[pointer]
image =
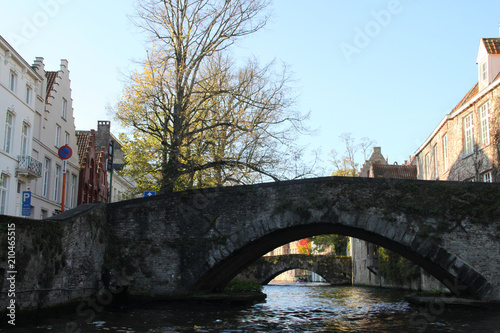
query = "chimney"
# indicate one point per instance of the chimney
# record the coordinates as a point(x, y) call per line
point(103, 133)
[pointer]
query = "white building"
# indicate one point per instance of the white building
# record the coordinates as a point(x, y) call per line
point(37, 115)
point(19, 87)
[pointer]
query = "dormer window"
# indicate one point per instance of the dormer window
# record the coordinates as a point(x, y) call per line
point(484, 72)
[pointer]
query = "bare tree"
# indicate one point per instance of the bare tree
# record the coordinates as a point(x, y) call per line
point(211, 120)
point(346, 164)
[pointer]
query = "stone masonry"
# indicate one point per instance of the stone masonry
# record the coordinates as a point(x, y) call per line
point(173, 245)
point(335, 270)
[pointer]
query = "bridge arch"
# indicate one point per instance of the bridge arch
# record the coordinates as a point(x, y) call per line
point(335, 270)
point(433, 258)
point(205, 238)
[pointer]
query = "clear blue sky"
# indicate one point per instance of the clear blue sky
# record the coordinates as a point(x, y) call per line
point(388, 70)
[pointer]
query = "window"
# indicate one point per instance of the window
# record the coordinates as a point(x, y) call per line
point(484, 71)
point(66, 138)
point(13, 81)
point(484, 123)
point(427, 166)
point(487, 177)
point(72, 199)
point(436, 162)
point(445, 151)
point(4, 180)
point(25, 139)
point(58, 136)
point(9, 129)
point(29, 93)
point(57, 183)
point(46, 173)
point(64, 108)
point(468, 135)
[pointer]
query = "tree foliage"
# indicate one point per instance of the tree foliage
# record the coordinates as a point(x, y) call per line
point(337, 243)
point(208, 122)
point(304, 246)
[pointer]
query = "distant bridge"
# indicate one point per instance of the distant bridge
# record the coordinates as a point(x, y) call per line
point(335, 270)
point(172, 245)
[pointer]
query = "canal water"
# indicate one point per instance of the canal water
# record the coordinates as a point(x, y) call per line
point(289, 308)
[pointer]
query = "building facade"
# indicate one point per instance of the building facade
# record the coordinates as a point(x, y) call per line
point(465, 144)
point(100, 180)
point(365, 260)
point(36, 117)
point(93, 182)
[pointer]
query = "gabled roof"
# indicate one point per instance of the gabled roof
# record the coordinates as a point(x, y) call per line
point(470, 94)
point(51, 79)
point(394, 171)
point(492, 45)
point(83, 141)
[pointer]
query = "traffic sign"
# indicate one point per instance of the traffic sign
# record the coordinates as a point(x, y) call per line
point(65, 152)
point(26, 203)
point(148, 194)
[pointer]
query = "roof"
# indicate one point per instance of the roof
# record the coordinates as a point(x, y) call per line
point(470, 95)
point(51, 79)
point(83, 141)
point(394, 171)
point(492, 45)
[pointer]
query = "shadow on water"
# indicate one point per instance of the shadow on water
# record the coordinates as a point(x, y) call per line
point(289, 308)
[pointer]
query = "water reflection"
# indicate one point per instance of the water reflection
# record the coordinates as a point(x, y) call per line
point(288, 308)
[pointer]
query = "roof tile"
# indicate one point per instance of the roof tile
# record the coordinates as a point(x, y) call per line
point(492, 45)
point(394, 171)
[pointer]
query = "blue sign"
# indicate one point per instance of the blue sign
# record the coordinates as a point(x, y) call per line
point(148, 194)
point(26, 203)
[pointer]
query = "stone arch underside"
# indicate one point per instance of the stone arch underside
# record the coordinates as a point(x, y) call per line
point(460, 278)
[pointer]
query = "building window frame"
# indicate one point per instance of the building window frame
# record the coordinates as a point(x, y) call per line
point(57, 183)
point(4, 190)
point(484, 72)
point(468, 125)
point(58, 136)
point(74, 186)
point(46, 177)
point(9, 132)
point(436, 161)
point(66, 138)
point(13, 81)
point(427, 166)
point(64, 113)
point(29, 95)
point(487, 177)
point(25, 133)
point(484, 124)
point(445, 151)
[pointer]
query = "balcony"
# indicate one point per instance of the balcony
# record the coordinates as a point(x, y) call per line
point(29, 167)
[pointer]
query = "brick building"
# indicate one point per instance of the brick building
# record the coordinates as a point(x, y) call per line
point(465, 144)
point(93, 181)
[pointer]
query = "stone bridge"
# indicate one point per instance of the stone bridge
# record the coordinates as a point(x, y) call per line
point(335, 270)
point(176, 244)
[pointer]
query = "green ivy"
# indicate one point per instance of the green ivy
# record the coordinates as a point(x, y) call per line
point(242, 286)
point(395, 268)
